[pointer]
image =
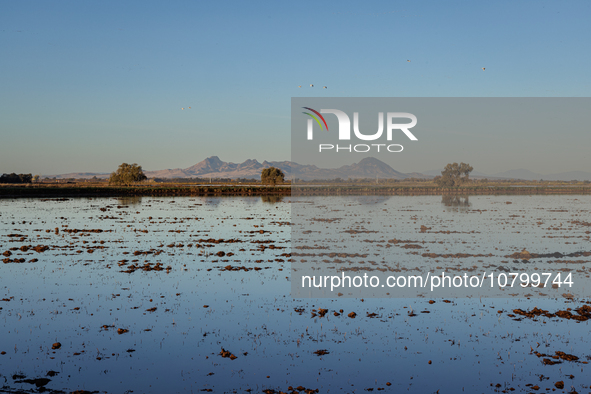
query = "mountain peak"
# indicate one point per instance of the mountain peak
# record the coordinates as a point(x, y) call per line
point(213, 159)
point(370, 167)
point(211, 164)
point(371, 160)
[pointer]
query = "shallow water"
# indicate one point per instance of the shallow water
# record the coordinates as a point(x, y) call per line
point(543, 237)
point(76, 294)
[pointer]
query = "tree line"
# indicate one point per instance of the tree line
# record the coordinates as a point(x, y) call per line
point(16, 178)
point(453, 175)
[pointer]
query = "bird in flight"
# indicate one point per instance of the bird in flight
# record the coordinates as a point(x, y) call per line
point(311, 85)
point(324, 87)
point(482, 68)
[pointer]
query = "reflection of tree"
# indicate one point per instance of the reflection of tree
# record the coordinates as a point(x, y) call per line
point(132, 200)
point(455, 201)
point(371, 199)
point(271, 199)
point(213, 201)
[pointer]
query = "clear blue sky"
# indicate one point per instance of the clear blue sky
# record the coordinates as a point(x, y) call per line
point(85, 86)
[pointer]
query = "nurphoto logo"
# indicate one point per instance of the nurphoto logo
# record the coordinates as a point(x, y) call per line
point(344, 132)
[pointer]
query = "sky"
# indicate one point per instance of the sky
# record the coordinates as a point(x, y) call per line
point(85, 86)
point(547, 133)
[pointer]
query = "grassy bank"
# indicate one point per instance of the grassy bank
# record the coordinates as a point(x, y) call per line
point(85, 190)
point(436, 190)
point(77, 190)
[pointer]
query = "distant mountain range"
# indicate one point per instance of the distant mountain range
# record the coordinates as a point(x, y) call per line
point(370, 167)
point(213, 167)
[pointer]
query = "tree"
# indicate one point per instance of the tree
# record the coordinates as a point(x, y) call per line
point(127, 174)
point(454, 175)
point(272, 176)
point(36, 178)
point(16, 178)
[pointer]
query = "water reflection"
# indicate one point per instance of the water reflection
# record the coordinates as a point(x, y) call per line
point(154, 330)
point(272, 199)
point(455, 202)
point(131, 200)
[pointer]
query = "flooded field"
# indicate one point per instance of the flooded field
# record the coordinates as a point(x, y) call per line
point(493, 246)
point(189, 294)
